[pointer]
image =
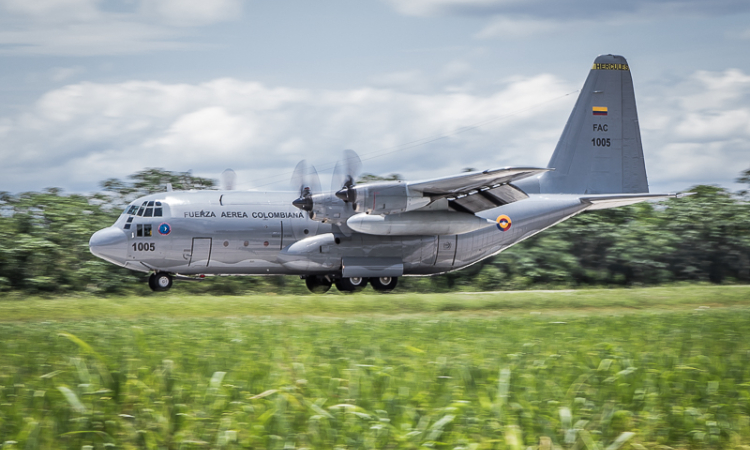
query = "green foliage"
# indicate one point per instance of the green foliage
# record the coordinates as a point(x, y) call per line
point(440, 381)
point(370, 178)
point(703, 238)
point(44, 245)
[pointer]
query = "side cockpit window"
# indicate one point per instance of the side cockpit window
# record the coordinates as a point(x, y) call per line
point(143, 230)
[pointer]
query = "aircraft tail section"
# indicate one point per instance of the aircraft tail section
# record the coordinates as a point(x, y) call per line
point(600, 149)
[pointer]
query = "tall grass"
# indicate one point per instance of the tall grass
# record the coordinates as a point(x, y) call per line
point(601, 381)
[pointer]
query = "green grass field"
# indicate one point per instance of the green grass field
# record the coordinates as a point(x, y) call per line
point(593, 369)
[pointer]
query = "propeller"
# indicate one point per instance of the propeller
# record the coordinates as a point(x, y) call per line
point(344, 173)
point(228, 178)
point(305, 179)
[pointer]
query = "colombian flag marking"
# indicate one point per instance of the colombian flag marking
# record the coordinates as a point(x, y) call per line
point(599, 110)
point(503, 223)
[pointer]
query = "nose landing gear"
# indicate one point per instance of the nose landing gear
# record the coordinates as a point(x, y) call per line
point(160, 281)
point(318, 285)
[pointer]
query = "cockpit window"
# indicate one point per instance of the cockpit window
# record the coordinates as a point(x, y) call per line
point(146, 209)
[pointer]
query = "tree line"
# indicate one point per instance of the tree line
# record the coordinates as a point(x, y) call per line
point(701, 238)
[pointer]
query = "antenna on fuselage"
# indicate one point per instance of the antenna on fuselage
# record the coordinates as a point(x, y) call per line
point(228, 178)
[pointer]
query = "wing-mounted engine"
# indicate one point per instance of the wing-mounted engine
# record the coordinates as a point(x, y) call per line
point(337, 205)
point(441, 206)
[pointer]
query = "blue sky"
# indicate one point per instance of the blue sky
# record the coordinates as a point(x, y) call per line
point(95, 89)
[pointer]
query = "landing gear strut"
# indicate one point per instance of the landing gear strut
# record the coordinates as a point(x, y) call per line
point(160, 281)
point(384, 284)
point(350, 285)
point(318, 285)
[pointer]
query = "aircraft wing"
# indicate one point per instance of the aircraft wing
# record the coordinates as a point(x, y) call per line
point(605, 201)
point(472, 192)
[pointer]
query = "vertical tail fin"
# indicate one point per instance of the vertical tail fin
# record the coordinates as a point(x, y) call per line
point(600, 149)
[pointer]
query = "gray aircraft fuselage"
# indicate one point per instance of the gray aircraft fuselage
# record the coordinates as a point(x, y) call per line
point(254, 233)
point(374, 233)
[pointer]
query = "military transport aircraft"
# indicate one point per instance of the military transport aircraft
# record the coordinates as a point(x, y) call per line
point(376, 232)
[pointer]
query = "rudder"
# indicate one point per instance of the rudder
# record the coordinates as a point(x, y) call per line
point(600, 151)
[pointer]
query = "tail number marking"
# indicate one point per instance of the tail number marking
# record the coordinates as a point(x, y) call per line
point(601, 142)
point(144, 247)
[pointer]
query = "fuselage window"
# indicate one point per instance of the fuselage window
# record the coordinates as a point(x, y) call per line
point(149, 212)
point(143, 230)
point(140, 211)
point(132, 209)
point(150, 203)
point(157, 212)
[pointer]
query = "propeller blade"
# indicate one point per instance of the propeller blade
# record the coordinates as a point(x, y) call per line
point(298, 177)
point(228, 178)
point(305, 178)
point(344, 174)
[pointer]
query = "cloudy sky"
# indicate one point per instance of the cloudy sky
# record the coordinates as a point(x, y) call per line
point(94, 89)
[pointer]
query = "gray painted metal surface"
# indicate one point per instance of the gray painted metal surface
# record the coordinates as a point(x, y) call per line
point(395, 228)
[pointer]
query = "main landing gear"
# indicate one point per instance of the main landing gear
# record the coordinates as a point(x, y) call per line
point(160, 281)
point(321, 284)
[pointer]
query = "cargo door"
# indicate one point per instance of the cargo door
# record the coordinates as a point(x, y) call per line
point(200, 253)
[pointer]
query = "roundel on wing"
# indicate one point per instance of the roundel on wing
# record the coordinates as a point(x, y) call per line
point(503, 223)
point(164, 229)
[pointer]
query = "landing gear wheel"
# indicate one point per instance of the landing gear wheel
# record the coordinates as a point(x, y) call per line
point(384, 284)
point(351, 285)
point(160, 281)
point(318, 285)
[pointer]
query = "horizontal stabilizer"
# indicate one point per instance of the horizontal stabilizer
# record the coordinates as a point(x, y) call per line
point(606, 201)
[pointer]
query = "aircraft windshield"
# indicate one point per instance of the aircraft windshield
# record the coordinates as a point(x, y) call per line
point(146, 209)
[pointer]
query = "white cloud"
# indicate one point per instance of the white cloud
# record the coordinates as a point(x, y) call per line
point(563, 10)
point(59, 74)
point(698, 130)
point(83, 27)
point(80, 134)
point(192, 12)
point(518, 27)
point(695, 130)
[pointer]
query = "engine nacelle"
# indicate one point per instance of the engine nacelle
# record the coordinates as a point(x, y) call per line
point(388, 198)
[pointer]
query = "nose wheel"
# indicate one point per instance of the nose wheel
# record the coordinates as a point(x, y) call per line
point(318, 285)
point(160, 281)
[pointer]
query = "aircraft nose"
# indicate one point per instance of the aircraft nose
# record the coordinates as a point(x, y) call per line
point(109, 244)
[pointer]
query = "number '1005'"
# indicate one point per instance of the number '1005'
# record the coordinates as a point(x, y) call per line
point(144, 247)
point(601, 142)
